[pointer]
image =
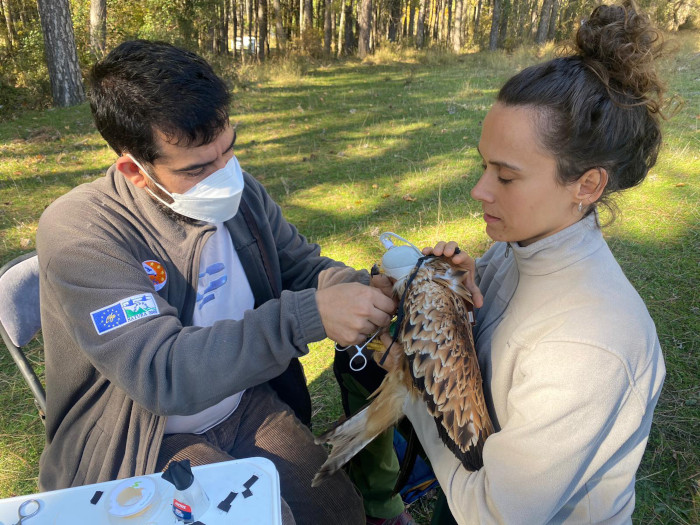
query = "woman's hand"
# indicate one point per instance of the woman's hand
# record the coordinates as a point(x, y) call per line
point(393, 360)
point(384, 284)
point(462, 260)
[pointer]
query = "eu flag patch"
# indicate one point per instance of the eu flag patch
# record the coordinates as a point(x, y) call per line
point(123, 312)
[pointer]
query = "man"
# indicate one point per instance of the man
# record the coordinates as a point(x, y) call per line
point(176, 299)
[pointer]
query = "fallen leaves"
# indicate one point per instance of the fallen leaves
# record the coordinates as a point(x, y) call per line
point(408, 197)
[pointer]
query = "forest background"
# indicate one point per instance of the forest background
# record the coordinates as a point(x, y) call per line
point(359, 116)
point(45, 45)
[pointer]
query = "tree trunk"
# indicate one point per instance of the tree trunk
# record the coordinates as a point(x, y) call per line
point(495, 23)
point(220, 28)
point(226, 7)
point(568, 19)
point(543, 26)
point(256, 33)
point(280, 37)
point(308, 14)
point(376, 18)
point(11, 31)
point(301, 17)
point(521, 9)
point(394, 20)
point(447, 29)
point(334, 30)
point(411, 19)
point(465, 22)
point(249, 13)
point(503, 26)
point(243, 17)
point(365, 20)
point(436, 19)
point(234, 22)
point(404, 26)
point(341, 30)
point(420, 26)
point(61, 53)
point(348, 33)
point(553, 21)
point(262, 24)
point(457, 31)
point(477, 21)
point(98, 27)
point(328, 28)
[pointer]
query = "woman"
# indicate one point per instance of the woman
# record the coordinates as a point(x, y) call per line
point(570, 358)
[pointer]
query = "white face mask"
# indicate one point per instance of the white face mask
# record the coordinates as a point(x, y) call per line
point(214, 199)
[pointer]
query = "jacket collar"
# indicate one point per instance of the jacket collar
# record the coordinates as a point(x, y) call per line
point(181, 236)
point(560, 250)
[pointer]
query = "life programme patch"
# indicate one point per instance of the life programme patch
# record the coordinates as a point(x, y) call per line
point(124, 312)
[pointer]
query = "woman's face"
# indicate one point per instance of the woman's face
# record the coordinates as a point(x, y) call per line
point(518, 191)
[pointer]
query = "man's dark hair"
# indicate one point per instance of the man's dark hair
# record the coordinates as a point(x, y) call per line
point(143, 86)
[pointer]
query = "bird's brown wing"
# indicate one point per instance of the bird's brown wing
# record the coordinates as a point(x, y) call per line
point(437, 338)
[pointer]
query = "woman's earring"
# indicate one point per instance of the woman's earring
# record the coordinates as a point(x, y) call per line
point(580, 207)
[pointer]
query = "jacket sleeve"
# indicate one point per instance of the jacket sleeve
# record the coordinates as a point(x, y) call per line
point(562, 406)
point(166, 367)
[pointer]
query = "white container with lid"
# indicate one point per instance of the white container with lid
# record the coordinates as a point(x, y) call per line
point(134, 500)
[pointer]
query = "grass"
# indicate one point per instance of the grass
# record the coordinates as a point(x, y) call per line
point(352, 149)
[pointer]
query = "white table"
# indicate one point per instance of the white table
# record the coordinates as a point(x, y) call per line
point(219, 480)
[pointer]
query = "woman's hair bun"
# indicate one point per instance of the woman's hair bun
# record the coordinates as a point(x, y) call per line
point(620, 44)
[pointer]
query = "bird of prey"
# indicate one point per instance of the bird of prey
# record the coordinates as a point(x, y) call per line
point(439, 365)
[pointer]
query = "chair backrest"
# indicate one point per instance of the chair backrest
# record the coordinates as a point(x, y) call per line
point(20, 316)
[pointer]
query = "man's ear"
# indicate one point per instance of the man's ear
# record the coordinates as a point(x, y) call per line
point(131, 171)
point(590, 185)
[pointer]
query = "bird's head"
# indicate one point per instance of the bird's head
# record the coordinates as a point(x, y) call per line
point(402, 263)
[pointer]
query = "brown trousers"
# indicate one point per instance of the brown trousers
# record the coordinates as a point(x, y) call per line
point(263, 425)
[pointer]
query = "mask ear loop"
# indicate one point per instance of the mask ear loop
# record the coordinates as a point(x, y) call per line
point(161, 188)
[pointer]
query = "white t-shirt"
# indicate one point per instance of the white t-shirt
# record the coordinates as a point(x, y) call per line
point(223, 292)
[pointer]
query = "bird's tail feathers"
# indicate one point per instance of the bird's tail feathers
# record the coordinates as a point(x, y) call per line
point(356, 432)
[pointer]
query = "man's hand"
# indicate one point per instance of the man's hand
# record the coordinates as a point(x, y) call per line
point(351, 312)
point(462, 260)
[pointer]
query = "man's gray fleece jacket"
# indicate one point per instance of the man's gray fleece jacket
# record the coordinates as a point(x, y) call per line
point(108, 394)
